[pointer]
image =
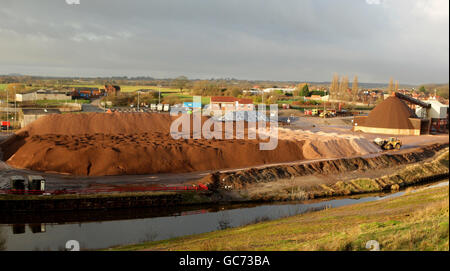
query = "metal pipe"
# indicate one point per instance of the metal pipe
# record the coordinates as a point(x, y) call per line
point(412, 100)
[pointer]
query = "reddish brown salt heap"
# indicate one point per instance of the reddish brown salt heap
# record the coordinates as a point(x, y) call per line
point(98, 144)
point(392, 113)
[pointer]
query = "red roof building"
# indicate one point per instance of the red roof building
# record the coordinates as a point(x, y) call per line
point(231, 103)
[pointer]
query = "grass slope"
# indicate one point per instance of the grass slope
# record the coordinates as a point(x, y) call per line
point(414, 221)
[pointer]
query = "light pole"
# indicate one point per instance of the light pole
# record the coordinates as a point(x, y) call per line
point(15, 107)
point(159, 94)
point(7, 111)
point(138, 105)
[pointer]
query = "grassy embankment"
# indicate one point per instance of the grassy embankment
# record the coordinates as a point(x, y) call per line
point(414, 221)
point(410, 175)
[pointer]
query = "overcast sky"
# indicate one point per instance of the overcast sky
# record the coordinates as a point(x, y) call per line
point(302, 40)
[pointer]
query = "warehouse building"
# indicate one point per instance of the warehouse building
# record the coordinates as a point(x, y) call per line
point(27, 116)
point(394, 117)
point(42, 95)
point(231, 103)
point(437, 110)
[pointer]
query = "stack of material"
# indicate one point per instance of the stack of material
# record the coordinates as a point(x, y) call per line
point(392, 116)
point(97, 144)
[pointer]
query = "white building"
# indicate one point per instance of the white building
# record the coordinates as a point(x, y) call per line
point(268, 90)
point(42, 95)
point(30, 115)
point(437, 110)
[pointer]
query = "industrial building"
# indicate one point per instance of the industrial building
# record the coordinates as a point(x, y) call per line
point(27, 116)
point(437, 110)
point(111, 90)
point(86, 93)
point(393, 116)
point(42, 95)
point(437, 114)
point(231, 103)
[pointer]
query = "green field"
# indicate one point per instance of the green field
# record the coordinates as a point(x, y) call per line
point(164, 91)
point(57, 102)
point(125, 88)
point(3, 86)
point(415, 221)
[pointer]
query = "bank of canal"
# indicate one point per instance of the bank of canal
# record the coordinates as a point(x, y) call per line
point(103, 229)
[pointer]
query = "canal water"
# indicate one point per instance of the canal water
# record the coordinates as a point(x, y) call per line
point(135, 226)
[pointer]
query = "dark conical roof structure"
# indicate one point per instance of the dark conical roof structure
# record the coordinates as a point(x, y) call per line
point(392, 113)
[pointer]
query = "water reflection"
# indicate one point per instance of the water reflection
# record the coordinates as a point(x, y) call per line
point(102, 229)
point(224, 222)
point(144, 225)
point(18, 228)
point(34, 228)
point(2, 240)
point(37, 228)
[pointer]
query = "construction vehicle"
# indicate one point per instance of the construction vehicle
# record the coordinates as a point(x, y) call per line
point(326, 114)
point(389, 144)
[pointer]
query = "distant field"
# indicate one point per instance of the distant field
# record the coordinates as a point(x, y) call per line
point(164, 91)
point(125, 88)
point(3, 86)
point(56, 102)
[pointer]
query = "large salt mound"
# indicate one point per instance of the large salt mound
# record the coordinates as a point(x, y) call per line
point(97, 144)
point(93, 123)
point(329, 145)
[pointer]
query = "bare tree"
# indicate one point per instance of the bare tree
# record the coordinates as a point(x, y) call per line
point(355, 89)
point(334, 88)
point(391, 85)
point(396, 86)
point(181, 82)
point(343, 88)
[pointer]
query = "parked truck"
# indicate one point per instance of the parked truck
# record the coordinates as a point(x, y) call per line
point(6, 125)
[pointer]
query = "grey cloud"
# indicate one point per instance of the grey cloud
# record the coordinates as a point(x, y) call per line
point(278, 40)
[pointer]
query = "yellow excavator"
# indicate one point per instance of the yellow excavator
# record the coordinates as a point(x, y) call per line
point(389, 144)
point(326, 114)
